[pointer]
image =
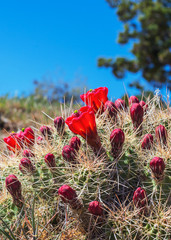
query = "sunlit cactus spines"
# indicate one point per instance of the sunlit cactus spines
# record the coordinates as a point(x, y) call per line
point(136, 112)
point(120, 104)
point(28, 153)
point(95, 208)
point(39, 140)
point(50, 160)
point(117, 138)
point(83, 122)
point(13, 186)
point(140, 198)
point(133, 99)
point(96, 98)
point(110, 110)
point(157, 166)
point(46, 131)
point(26, 166)
point(69, 154)
point(161, 135)
point(147, 141)
point(59, 124)
point(75, 143)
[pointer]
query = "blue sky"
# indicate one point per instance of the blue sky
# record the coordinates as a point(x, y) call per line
point(58, 40)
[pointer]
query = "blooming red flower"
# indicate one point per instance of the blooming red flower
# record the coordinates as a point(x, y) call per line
point(133, 99)
point(140, 198)
point(120, 104)
point(26, 166)
point(110, 109)
point(161, 134)
point(136, 112)
point(157, 166)
point(50, 160)
point(144, 106)
point(117, 139)
point(95, 98)
point(28, 136)
point(75, 143)
point(82, 122)
point(95, 208)
point(147, 141)
point(12, 143)
point(59, 124)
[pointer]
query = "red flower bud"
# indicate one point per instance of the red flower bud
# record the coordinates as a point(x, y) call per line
point(26, 166)
point(120, 104)
point(161, 134)
point(133, 99)
point(117, 139)
point(157, 166)
point(75, 143)
point(95, 98)
point(68, 153)
point(144, 106)
point(28, 153)
point(147, 141)
point(50, 160)
point(13, 186)
point(140, 198)
point(136, 112)
point(39, 140)
point(59, 124)
point(46, 131)
point(95, 208)
point(28, 136)
point(110, 109)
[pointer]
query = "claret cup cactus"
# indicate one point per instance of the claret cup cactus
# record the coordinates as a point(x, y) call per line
point(102, 171)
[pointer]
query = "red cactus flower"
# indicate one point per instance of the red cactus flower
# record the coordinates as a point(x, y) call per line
point(28, 153)
point(26, 166)
point(157, 166)
point(28, 136)
point(13, 186)
point(68, 195)
point(39, 140)
point(95, 98)
point(120, 104)
point(117, 139)
point(12, 143)
point(144, 106)
point(133, 99)
point(136, 112)
point(110, 109)
point(95, 208)
point(140, 198)
point(50, 160)
point(46, 131)
point(59, 124)
point(147, 141)
point(68, 153)
point(161, 134)
point(75, 143)
point(82, 122)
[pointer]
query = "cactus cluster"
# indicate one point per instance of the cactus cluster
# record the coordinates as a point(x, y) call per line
point(99, 172)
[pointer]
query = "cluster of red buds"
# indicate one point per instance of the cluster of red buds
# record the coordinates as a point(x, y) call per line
point(120, 104)
point(140, 198)
point(26, 166)
point(13, 186)
point(50, 161)
point(136, 112)
point(157, 166)
point(147, 141)
point(161, 135)
point(117, 139)
point(110, 110)
point(59, 124)
point(46, 131)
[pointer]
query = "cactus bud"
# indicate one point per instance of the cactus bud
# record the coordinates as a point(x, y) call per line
point(46, 131)
point(59, 124)
point(161, 134)
point(147, 141)
point(27, 153)
point(133, 99)
point(68, 153)
point(13, 186)
point(140, 198)
point(50, 160)
point(26, 166)
point(136, 112)
point(157, 166)
point(75, 143)
point(144, 106)
point(117, 139)
point(68, 195)
point(120, 104)
point(95, 208)
point(110, 109)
